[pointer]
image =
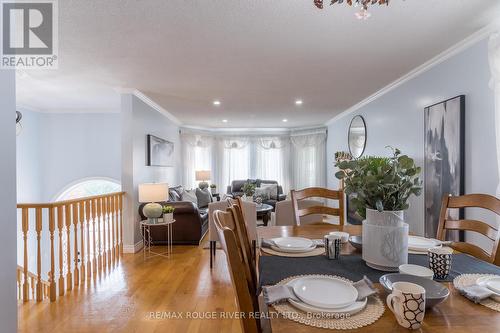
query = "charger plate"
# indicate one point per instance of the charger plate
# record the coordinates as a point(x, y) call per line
point(465, 280)
point(371, 313)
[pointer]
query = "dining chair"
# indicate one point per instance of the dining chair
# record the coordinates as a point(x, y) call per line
point(212, 231)
point(483, 201)
point(320, 193)
point(285, 215)
point(246, 298)
point(247, 248)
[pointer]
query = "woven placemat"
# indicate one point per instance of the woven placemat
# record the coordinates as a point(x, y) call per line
point(371, 313)
point(316, 252)
point(465, 280)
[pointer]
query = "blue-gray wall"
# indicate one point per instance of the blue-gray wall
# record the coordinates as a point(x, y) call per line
point(139, 120)
point(55, 150)
point(396, 119)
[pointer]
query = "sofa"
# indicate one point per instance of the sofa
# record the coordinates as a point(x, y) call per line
point(191, 222)
point(235, 189)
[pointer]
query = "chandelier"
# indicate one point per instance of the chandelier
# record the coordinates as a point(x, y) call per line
point(363, 13)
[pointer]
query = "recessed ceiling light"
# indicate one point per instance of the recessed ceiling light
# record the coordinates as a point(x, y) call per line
point(298, 102)
point(285, 120)
point(216, 102)
point(224, 120)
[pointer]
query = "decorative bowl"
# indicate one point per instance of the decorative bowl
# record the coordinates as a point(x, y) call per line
point(435, 292)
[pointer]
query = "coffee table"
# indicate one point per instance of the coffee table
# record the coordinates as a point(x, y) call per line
point(264, 212)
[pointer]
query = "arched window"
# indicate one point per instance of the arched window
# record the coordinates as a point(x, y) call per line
point(89, 187)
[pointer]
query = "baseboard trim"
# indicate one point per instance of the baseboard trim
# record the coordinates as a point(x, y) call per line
point(133, 248)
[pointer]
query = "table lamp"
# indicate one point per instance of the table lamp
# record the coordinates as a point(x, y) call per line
point(152, 193)
point(202, 176)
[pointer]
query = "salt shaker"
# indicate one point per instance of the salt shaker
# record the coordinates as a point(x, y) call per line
point(333, 245)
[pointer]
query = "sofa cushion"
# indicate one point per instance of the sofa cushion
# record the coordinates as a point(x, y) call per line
point(204, 197)
point(190, 195)
point(236, 185)
point(263, 192)
point(175, 193)
point(272, 189)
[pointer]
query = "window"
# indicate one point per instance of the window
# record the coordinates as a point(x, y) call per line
point(236, 164)
point(90, 187)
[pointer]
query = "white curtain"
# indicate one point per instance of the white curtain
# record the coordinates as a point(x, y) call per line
point(197, 153)
point(494, 60)
point(309, 159)
point(272, 160)
point(295, 160)
point(235, 159)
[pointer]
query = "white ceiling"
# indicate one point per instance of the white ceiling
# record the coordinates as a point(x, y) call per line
point(256, 56)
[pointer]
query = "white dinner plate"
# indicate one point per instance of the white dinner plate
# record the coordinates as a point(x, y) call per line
point(325, 292)
point(421, 244)
point(494, 285)
point(293, 242)
point(292, 250)
point(487, 282)
point(350, 310)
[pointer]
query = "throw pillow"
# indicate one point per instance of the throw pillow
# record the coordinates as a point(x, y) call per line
point(204, 197)
point(273, 190)
point(263, 192)
point(190, 195)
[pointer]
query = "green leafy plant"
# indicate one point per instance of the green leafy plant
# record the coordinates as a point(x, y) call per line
point(248, 189)
point(213, 186)
point(168, 209)
point(382, 183)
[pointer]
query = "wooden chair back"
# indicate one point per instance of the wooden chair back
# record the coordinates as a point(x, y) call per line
point(318, 192)
point(246, 298)
point(246, 243)
point(484, 201)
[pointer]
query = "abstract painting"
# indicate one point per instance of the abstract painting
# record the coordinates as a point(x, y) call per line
point(160, 152)
point(444, 150)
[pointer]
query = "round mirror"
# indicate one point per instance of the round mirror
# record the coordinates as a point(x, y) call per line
point(357, 136)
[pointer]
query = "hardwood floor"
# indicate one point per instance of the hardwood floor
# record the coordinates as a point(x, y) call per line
point(138, 295)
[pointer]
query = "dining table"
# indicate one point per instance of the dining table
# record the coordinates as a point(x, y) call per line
point(456, 314)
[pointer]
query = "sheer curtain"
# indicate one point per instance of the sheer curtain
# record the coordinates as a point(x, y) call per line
point(272, 160)
point(295, 160)
point(236, 159)
point(197, 153)
point(309, 158)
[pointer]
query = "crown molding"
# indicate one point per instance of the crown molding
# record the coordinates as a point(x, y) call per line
point(250, 130)
point(27, 108)
point(443, 56)
point(146, 99)
point(143, 97)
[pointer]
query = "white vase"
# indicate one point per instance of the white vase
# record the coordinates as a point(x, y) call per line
point(167, 218)
point(213, 190)
point(385, 239)
point(247, 198)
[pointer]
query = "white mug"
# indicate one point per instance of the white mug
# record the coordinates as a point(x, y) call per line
point(407, 302)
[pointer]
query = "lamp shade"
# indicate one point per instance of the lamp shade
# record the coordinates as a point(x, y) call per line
point(153, 192)
point(203, 175)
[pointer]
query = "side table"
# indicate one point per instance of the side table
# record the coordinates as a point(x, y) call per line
point(147, 240)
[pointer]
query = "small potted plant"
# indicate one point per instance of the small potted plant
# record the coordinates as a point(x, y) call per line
point(213, 188)
point(248, 190)
point(168, 213)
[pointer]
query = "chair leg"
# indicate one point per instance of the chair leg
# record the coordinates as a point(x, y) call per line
point(211, 254)
point(213, 247)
